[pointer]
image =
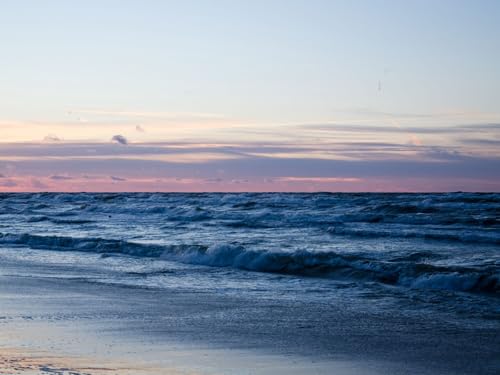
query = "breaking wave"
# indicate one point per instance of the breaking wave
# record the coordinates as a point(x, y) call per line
point(409, 271)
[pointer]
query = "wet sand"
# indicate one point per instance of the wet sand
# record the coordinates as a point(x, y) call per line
point(26, 361)
point(71, 326)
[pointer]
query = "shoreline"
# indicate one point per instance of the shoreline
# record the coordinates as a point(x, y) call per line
point(28, 361)
point(195, 332)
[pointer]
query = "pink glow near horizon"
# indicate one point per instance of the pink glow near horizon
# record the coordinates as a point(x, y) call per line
point(268, 166)
point(288, 184)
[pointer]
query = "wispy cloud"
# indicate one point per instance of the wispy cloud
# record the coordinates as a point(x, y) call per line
point(482, 142)
point(119, 139)
point(374, 128)
point(60, 177)
point(116, 178)
point(442, 117)
point(303, 157)
point(319, 179)
point(8, 184)
point(51, 138)
point(149, 114)
point(38, 184)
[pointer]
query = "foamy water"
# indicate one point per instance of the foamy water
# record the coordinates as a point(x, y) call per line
point(390, 247)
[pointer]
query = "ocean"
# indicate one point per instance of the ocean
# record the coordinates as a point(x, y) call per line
point(428, 257)
point(444, 245)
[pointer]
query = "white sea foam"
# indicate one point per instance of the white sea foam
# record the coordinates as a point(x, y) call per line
point(404, 272)
point(429, 241)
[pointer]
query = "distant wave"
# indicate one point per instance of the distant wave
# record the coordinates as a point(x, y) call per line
point(246, 210)
point(71, 222)
point(456, 236)
point(38, 219)
point(407, 271)
point(448, 219)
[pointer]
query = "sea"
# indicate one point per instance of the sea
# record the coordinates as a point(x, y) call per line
point(420, 253)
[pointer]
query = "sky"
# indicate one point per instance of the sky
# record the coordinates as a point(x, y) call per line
point(310, 95)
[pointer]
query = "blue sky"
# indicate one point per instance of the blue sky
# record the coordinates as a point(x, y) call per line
point(309, 82)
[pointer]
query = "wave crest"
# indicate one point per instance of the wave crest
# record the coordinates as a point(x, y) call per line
point(405, 272)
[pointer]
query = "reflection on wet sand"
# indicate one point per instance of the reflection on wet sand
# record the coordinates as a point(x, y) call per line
point(17, 361)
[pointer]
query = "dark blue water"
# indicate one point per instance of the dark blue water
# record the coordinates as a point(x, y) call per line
point(412, 251)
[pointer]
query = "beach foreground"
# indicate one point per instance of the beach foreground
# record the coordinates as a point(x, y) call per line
point(69, 326)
